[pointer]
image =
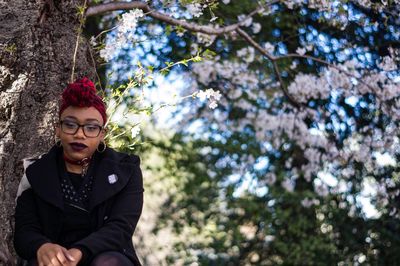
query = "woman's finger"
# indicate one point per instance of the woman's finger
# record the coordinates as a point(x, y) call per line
point(68, 255)
point(55, 262)
point(61, 257)
point(44, 261)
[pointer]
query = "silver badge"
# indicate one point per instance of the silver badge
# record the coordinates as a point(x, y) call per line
point(112, 178)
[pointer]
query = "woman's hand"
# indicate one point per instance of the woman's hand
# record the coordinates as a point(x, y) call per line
point(76, 254)
point(50, 254)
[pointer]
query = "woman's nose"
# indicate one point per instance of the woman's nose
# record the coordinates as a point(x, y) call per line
point(80, 133)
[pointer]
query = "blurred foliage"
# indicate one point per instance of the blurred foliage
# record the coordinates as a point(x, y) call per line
point(233, 215)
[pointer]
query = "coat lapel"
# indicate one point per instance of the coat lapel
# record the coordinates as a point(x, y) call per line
point(111, 176)
point(44, 180)
point(112, 173)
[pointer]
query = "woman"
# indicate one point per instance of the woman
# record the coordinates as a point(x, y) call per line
point(79, 203)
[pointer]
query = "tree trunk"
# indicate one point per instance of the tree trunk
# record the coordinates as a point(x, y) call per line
point(37, 42)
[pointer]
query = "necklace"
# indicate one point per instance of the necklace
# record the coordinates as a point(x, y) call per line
point(84, 163)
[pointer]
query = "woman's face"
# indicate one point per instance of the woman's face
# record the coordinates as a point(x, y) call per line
point(84, 142)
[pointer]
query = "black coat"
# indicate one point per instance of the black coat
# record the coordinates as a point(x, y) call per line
point(114, 207)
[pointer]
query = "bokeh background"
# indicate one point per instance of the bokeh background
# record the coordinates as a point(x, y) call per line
point(296, 160)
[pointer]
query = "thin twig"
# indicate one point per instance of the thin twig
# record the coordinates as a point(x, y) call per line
point(105, 31)
point(81, 22)
point(327, 64)
point(94, 65)
point(283, 87)
point(273, 60)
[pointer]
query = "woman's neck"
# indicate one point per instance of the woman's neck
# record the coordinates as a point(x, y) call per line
point(77, 167)
point(73, 168)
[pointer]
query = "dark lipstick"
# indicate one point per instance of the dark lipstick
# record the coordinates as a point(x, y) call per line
point(76, 146)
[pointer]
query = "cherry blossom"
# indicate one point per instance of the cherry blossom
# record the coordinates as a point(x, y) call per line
point(125, 32)
point(195, 9)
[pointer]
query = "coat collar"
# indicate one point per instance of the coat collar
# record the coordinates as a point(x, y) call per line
point(111, 174)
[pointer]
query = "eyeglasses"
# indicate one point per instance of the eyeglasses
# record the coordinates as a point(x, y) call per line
point(89, 130)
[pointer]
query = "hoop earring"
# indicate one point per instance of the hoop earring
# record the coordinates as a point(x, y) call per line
point(104, 147)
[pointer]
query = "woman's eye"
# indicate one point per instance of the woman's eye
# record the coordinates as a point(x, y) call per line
point(70, 124)
point(91, 127)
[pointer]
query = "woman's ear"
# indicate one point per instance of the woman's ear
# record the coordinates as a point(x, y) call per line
point(58, 131)
point(103, 133)
point(102, 136)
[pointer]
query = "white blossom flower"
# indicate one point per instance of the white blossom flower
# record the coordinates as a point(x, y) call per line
point(247, 54)
point(154, 29)
point(92, 41)
point(211, 95)
point(195, 9)
point(217, 95)
point(309, 47)
point(107, 53)
point(241, 52)
point(307, 203)
point(207, 39)
point(269, 47)
point(352, 211)
point(194, 48)
point(226, 1)
point(125, 31)
point(246, 22)
point(270, 178)
point(269, 238)
point(205, 71)
point(291, 3)
point(305, 87)
point(337, 80)
point(321, 190)
point(256, 28)
point(320, 151)
point(129, 20)
point(135, 131)
point(301, 51)
point(180, 33)
point(288, 185)
point(235, 94)
point(388, 64)
point(213, 104)
point(213, 19)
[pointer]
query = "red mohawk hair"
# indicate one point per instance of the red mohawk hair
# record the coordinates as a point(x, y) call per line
point(82, 93)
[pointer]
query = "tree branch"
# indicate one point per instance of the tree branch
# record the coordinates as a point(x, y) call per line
point(211, 30)
point(284, 89)
point(273, 59)
point(113, 6)
point(255, 44)
point(327, 64)
point(276, 69)
point(103, 8)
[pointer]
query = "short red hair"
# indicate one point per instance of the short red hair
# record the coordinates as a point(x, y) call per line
point(82, 93)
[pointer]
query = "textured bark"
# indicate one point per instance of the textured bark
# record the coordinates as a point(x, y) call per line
point(37, 40)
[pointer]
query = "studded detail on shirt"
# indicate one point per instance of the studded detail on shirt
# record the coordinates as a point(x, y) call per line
point(77, 197)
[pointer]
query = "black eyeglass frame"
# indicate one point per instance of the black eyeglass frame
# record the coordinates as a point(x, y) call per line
point(81, 126)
